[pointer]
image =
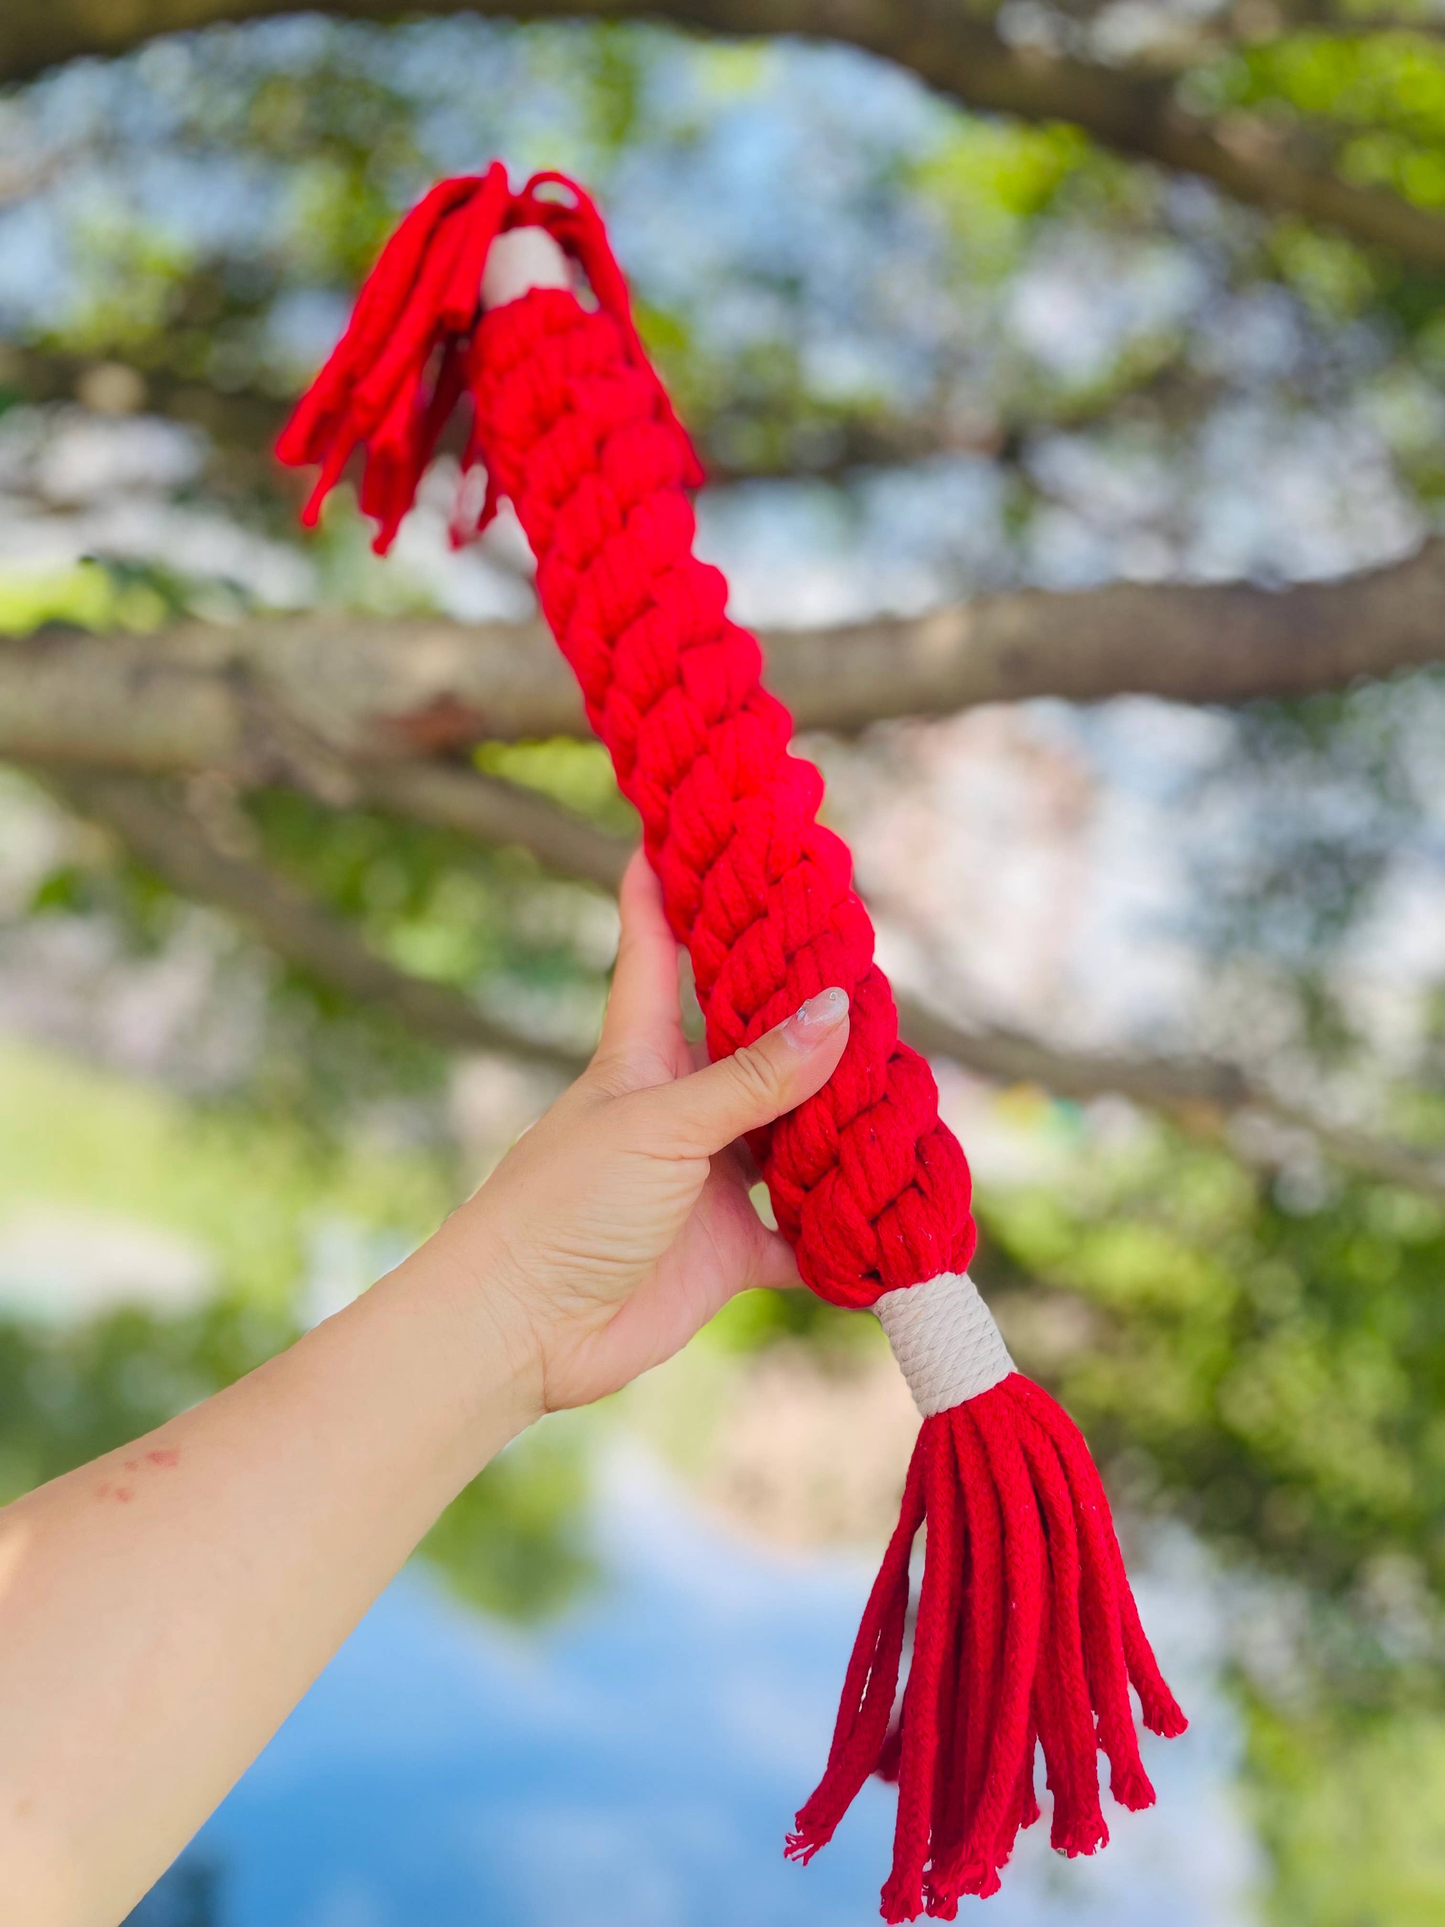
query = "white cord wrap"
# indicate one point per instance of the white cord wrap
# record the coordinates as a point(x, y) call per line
point(521, 259)
point(945, 1340)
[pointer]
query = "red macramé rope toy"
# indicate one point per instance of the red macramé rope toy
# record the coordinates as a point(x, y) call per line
point(1027, 1634)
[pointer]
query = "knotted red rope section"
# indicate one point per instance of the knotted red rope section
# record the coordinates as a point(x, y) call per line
point(1027, 1637)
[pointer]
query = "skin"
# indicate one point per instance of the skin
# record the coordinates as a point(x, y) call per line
point(163, 1608)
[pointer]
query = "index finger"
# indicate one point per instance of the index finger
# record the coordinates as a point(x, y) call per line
point(643, 1024)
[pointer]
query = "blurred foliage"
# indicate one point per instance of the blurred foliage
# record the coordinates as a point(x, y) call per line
point(487, 922)
point(513, 1541)
point(756, 1319)
point(84, 597)
point(577, 775)
point(994, 179)
point(306, 139)
point(1260, 1354)
point(304, 1054)
point(102, 1144)
point(1340, 781)
point(437, 903)
point(1269, 1353)
point(1380, 96)
point(1350, 1814)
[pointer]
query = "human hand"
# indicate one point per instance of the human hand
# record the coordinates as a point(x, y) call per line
point(621, 1221)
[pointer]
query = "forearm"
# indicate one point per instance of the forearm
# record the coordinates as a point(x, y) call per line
point(162, 1609)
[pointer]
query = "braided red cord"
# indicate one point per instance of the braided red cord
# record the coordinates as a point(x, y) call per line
point(866, 1181)
point(1027, 1633)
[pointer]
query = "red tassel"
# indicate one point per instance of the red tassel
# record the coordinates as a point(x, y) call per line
point(420, 300)
point(1027, 1637)
point(328, 401)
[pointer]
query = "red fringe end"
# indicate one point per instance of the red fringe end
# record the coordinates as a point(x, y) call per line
point(399, 371)
point(1027, 1636)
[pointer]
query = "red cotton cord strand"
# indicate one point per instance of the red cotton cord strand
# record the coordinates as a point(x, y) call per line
point(1027, 1636)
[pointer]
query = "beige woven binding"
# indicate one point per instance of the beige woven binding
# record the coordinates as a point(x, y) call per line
point(945, 1340)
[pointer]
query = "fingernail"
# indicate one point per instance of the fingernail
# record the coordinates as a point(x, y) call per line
point(810, 1024)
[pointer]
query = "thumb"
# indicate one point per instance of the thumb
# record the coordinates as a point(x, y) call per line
point(703, 1113)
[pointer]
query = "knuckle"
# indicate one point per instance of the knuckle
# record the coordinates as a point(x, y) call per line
point(758, 1078)
point(626, 1068)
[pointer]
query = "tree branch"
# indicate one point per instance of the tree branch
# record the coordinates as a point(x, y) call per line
point(174, 844)
point(953, 49)
point(1325, 17)
point(1191, 1090)
point(242, 423)
point(450, 797)
point(318, 698)
point(235, 419)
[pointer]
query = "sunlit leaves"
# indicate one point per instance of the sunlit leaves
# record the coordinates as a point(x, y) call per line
point(576, 774)
point(993, 178)
point(1381, 96)
point(88, 596)
point(1349, 1811)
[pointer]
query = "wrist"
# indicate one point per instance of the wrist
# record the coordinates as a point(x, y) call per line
point(447, 1309)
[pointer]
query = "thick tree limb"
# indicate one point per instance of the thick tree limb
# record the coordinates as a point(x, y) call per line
point(170, 841)
point(316, 698)
point(953, 48)
point(1227, 643)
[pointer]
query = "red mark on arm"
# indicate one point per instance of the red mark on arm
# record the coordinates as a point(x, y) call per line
point(167, 1457)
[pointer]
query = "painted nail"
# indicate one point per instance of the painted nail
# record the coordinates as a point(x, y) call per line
point(809, 1025)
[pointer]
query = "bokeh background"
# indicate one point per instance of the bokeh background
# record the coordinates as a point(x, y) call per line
point(304, 904)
